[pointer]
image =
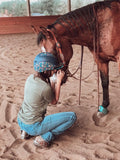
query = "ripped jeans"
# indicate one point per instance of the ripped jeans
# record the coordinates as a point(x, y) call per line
point(51, 125)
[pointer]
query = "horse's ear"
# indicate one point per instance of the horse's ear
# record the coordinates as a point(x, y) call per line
point(38, 29)
point(45, 32)
point(35, 29)
point(43, 29)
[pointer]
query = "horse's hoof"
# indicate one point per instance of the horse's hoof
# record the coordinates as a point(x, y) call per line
point(100, 114)
point(98, 120)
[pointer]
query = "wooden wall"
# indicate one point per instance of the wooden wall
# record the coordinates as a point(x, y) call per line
point(10, 25)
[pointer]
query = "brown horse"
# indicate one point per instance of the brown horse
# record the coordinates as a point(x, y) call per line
point(96, 26)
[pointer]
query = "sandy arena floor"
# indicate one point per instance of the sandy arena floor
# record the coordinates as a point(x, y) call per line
point(88, 139)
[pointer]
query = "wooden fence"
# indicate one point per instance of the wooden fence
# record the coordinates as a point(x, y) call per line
point(10, 25)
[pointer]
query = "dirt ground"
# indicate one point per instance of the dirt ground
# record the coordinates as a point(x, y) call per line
point(87, 139)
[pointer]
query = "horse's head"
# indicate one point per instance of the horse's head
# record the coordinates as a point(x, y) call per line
point(49, 42)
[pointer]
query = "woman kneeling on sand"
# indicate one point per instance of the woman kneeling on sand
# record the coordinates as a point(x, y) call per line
point(39, 91)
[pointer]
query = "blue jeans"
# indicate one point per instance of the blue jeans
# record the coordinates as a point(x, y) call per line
point(51, 125)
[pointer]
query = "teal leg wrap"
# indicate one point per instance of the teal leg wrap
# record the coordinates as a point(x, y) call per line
point(103, 110)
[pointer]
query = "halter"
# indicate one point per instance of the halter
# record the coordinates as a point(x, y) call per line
point(58, 47)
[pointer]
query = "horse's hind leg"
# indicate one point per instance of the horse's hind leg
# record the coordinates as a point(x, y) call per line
point(105, 86)
point(118, 60)
point(104, 74)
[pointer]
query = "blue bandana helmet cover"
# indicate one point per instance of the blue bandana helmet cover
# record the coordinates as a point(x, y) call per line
point(46, 61)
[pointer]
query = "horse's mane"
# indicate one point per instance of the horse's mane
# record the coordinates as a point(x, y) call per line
point(78, 18)
point(72, 19)
point(86, 13)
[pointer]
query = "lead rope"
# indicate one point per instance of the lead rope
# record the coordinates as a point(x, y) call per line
point(72, 74)
point(80, 73)
point(98, 70)
point(97, 51)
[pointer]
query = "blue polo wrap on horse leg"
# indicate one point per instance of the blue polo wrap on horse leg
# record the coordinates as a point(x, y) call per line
point(103, 110)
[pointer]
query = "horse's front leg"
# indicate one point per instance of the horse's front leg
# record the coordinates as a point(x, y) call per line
point(104, 74)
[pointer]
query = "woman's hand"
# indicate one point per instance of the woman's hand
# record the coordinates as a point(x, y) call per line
point(60, 75)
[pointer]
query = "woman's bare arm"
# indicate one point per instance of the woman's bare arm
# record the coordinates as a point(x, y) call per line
point(56, 86)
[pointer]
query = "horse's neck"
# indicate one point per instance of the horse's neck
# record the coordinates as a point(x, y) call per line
point(76, 36)
point(79, 26)
point(76, 27)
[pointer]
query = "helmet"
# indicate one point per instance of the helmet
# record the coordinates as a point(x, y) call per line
point(46, 61)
